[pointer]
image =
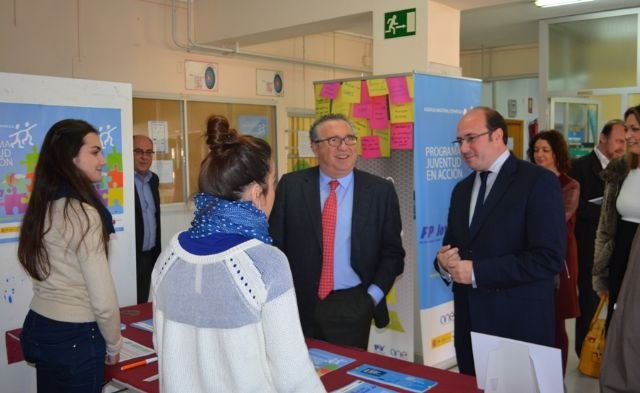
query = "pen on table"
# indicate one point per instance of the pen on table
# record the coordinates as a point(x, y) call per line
point(138, 363)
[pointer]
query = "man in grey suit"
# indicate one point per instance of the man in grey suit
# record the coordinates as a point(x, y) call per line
point(505, 240)
point(586, 170)
point(367, 247)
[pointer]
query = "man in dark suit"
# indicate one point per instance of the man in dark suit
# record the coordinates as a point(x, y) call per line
point(586, 170)
point(147, 207)
point(367, 246)
point(505, 241)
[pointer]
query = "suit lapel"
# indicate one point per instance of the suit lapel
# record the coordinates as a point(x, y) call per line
point(596, 166)
point(464, 199)
point(311, 198)
point(361, 203)
point(500, 186)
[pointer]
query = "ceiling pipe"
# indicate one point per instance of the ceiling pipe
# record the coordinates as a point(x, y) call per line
point(194, 46)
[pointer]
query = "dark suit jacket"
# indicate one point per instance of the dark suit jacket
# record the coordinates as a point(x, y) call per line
point(377, 255)
point(154, 183)
point(586, 170)
point(517, 248)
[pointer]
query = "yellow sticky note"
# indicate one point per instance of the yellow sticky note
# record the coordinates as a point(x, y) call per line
point(402, 113)
point(350, 92)
point(339, 106)
point(361, 127)
point(323, 105)
point(410, 85)
point(377, 87)
point(384, 140)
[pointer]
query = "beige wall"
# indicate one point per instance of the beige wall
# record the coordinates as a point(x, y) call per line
point(130, 41)
point(500, 63)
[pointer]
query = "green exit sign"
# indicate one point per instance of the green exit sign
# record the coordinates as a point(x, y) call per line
point(400, 23)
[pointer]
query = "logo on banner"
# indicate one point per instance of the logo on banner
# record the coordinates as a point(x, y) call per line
point(441, 340)
point(447, 318)
point(432, 232)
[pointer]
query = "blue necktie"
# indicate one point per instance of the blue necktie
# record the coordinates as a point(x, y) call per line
point(480, 200)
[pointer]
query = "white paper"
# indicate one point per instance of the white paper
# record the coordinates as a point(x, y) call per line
point(510, 369)
point(131, 350)
point(597, 201)
point(304, 145)
point(547, 362)
point(164, 170)
point(159, 134)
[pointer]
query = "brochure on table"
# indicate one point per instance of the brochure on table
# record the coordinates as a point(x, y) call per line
point(325, 362)
point(147, 325)
point(392, 378)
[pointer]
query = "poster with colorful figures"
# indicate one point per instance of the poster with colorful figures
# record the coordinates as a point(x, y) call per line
point(22, 131)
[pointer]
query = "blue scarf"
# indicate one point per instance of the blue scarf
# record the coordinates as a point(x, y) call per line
point(215, 215)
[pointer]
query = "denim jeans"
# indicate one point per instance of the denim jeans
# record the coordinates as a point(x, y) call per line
point(69, 357)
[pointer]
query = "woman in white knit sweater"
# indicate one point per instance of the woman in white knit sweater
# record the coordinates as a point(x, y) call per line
point(224, 307)
point(73, 325)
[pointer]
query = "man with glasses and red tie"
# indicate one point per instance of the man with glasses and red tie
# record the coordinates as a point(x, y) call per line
point(340, 229)
point(147, 209)
point(505, 240)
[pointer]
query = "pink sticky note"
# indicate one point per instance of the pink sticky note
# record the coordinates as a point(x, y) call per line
point(398, 90)
point(361, 111)
point(379, 115)
point(330, 90)
point(364, 93)
point(370, 147)
point(402, 136)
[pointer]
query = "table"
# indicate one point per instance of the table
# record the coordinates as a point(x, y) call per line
point(448, 382)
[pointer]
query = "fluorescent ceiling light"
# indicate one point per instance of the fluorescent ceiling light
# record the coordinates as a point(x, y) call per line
point(555, 3)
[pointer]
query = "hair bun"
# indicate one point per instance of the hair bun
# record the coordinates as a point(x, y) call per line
point(219, 135)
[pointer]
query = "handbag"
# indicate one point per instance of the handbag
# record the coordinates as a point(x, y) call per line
point(593, 344)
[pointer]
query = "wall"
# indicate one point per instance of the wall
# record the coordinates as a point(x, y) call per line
point(500, 63)
point(131, 41)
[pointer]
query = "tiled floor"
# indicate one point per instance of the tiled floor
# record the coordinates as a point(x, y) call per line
point(575, 381)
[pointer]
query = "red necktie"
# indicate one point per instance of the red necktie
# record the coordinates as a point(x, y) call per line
point(328, 239)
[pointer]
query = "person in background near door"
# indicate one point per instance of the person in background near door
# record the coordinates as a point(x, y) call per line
point(501, 251)
point(147, 206)
point(341, 230)
point(549, 150)
point(72, 328)
point(617, 224)
point(617, 261)
point(586, 171)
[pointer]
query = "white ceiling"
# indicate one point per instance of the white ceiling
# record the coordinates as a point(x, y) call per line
point(495, 23)
point(516, 22)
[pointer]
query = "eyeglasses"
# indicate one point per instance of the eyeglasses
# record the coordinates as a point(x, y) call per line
point(336, 141)
point(140, 152)
point(469, 138)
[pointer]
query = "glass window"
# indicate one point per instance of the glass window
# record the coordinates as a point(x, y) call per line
point(593, 53)
point(257, 120)
point(161, 120)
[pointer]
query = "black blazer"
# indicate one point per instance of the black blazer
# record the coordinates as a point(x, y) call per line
point(154, 184)
point(377, 255)
point(517, 248)
point(586, 170)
